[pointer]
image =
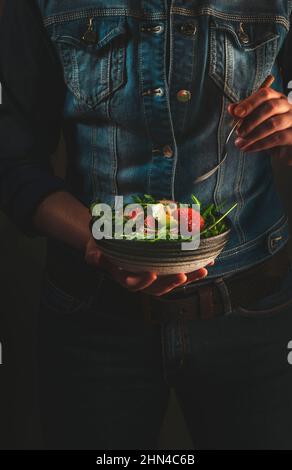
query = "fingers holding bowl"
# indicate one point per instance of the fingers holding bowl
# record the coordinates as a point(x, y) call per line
point(165, 284)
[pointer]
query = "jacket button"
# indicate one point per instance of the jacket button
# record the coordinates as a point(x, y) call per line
point(188, 28)
point(184, 96)
point(167, 151)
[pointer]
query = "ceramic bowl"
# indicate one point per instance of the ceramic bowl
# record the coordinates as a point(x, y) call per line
point(163, 257)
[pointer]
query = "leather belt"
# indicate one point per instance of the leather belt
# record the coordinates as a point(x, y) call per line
point(198, 300)
point(205, 301)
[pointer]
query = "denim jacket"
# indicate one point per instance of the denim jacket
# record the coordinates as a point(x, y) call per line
point(145, 106)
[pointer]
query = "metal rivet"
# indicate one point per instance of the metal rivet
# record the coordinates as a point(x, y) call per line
point(153, 92)
point(275, 240)
point(243, 36)
point(167, 151)
point(157, 29)
point(184, 96)
point(158, 92)
point(90, 36)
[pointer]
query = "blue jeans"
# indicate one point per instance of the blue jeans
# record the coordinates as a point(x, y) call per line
point(105, 374)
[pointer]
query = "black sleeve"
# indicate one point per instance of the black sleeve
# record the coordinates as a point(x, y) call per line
point(32, 94)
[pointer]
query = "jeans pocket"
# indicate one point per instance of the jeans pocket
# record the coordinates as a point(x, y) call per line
point(55, 300)
point(92, 71)
point(242, 54)
point(279, 302)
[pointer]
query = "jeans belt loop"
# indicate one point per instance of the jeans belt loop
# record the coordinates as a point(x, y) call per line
point(207, 307)
point(225, 295)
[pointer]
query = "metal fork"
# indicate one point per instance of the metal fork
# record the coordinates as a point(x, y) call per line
point(267, 83)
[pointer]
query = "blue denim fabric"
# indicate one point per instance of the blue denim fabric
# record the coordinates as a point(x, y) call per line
point(116, 130)
point(232, 375)
point(100, 373)
point(105, 374)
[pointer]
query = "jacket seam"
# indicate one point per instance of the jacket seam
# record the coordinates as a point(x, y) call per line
point(235, 17)
point(68, 16)
point(75, 15)
point(251, 243)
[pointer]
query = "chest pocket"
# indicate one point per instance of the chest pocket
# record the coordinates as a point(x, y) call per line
point(241, 55)
point(93, 56)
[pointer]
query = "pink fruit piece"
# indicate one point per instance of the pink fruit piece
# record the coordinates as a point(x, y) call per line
point(192, 218)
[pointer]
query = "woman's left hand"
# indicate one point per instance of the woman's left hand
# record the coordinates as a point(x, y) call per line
point(266, 123)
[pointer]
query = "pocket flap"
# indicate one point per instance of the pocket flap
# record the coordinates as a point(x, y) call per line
point(106, 32)
point(248, 34)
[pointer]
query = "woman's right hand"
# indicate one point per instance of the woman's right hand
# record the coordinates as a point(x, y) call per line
point(148, 282)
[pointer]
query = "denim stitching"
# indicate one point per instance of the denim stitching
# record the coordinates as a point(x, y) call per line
point(212, 65)
point(229, 60)
point(111, 139)
point(142, 88)
point(257, 73)
point(184, 110)
point(69, 16)
point(228, 75)
point(108, 67)
point(236, 17)
point(240, 199)
point(254, 241)
point(118, 55)
point(220, 172)
point(93, 158)
point(71, 74)
point(113, 147)
point(213, 61)
point(232, 271)
point(115, 162)
point(243, 248)
point(250, 265)
point(98, 12)
point(171, 53)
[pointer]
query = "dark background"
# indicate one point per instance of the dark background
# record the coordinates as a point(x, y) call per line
point(21, 265)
